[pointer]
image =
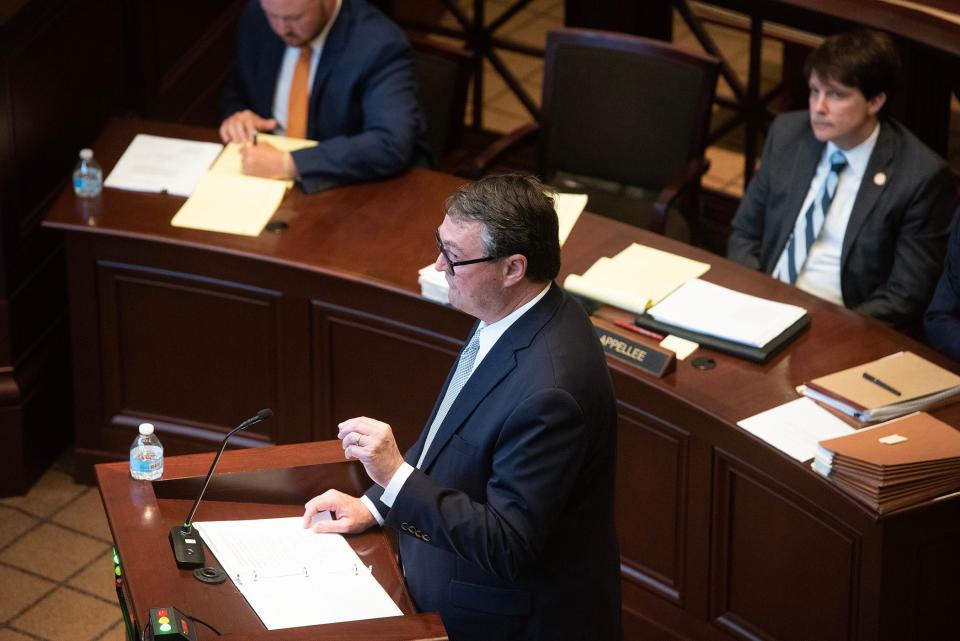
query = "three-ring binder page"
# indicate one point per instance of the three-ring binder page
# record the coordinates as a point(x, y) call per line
point(293, 577)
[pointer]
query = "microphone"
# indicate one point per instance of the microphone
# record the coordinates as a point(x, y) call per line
point(187, 544)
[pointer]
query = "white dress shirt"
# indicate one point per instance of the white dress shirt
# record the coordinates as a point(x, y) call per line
point(820, 275)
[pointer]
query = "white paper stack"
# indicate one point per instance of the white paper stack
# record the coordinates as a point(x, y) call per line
point(159, 164)
point(796, 427)
point(705, 308)
point(433, 285)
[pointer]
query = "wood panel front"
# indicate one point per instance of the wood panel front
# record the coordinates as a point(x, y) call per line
point(651, 502)
point(177, 349)
point(363, 364)
point(760, 529)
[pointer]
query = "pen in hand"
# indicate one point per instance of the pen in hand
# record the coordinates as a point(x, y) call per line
point(878, 382)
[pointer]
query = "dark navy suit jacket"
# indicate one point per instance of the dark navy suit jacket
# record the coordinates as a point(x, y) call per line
point(942, 322)
point(363, 107)
point(896, 237)
point(508, 529)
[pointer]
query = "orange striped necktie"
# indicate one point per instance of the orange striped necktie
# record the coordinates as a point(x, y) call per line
point(299, 96)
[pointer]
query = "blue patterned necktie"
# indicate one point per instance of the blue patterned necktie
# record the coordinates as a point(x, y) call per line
point(807, 228)
point(464, 369)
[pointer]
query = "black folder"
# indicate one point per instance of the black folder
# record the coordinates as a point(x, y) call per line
point(749, 352)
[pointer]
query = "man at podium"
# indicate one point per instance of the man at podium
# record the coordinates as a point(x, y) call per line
point(504, 505)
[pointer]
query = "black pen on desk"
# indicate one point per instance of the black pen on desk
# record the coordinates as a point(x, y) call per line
point(876, 381)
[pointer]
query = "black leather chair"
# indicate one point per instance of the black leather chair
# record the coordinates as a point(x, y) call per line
point(443, 75)
point(625, 120)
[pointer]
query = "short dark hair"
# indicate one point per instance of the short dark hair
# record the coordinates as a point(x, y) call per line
point(517, 217)
point(865, 59)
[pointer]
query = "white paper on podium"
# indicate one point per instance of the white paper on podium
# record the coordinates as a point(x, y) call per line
point(293, 577)
point(159, 164)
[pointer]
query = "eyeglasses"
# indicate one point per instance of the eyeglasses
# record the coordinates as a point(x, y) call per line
point(451, 263)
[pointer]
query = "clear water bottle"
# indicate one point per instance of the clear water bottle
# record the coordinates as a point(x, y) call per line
point(146, 455)
point(87, 176)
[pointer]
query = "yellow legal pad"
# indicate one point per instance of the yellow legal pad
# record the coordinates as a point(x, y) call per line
point(230, 161)
point(231, 204)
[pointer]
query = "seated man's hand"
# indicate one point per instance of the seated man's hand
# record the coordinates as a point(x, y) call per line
point(372, 443)
point(241, 126)
point(350, 514)
point(266, 161)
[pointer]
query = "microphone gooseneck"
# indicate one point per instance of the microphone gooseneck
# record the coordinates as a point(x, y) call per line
point(262, 415)
point(186, 544)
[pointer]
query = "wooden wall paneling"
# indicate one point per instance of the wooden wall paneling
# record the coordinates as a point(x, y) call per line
point(920, 566)
point(209, 346)
point(651, 501)
point(365, 363)
point(783, 568)
point(181, 54)
point(65, 79)
point(60, 79)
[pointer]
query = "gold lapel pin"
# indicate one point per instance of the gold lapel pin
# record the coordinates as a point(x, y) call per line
point(879, 179)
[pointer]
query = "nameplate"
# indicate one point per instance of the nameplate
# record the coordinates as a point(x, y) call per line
point(634, 349)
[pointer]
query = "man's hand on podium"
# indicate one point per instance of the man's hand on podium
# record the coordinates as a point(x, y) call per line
point(350, 514)
point(371, 442)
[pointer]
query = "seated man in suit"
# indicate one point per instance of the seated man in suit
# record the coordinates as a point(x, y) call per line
point(335, 71)
point(942, 322)
point(505, 502)
point(848, 205)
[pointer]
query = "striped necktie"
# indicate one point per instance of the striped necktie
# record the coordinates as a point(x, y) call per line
point(807, 228)
point(299, 95)
point(460, 377)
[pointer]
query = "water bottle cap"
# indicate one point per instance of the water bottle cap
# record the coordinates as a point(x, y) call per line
point(146, 429)
point(86, 153)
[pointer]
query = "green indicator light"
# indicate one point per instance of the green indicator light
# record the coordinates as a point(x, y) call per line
point(165, 627)
point(116, 570)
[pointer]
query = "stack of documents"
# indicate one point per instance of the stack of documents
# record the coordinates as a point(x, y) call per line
point(221, 197)
point(894, 464)
point(293, 577)
point(796, 427)
point(890, 386)
point(162, 165)
point(433, 285)
point(634, 279)
point(727, 320)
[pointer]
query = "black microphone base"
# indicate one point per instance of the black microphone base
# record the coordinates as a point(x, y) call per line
point(187, 548)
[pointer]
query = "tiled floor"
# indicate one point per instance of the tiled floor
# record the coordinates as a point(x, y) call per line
point(56, 568)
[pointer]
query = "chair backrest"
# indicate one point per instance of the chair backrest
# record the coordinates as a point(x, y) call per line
point(622, 107)
point(443, 75)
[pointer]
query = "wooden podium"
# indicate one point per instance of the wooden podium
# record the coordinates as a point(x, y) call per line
point(248, 484)
point(722, 536)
